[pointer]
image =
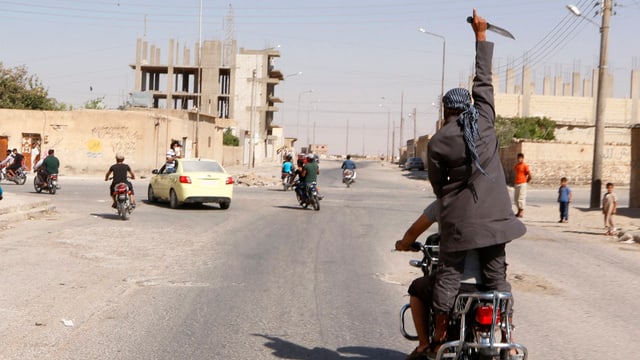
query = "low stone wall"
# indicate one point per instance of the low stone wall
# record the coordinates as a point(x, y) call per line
point(550, 161)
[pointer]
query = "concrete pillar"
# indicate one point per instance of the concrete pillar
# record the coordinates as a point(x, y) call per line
point(575, 83)
point(510, 81)
point(138, 71)
point(634, 183)
point(170, 78)
point(558, 86)
point(527, 91)
point(566, 89)
point(635, 96)
point(586, 88)
point(152, 57)
point(496, 82)
point(547, 86)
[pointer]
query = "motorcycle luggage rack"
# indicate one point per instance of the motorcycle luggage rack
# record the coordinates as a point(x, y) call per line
point(503, 301)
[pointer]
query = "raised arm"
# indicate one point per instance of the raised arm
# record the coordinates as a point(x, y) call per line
point(482, 91)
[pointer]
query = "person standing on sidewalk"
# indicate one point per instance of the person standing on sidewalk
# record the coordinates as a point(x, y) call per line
point(564, 198)
point(523, 177)
point(609, 207)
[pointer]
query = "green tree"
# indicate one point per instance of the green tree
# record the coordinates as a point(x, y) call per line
point(229, 139)
point(95, 104)
point(20, 90)
point(530, 128)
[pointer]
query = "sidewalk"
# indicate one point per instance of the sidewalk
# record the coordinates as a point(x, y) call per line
point(14, 206)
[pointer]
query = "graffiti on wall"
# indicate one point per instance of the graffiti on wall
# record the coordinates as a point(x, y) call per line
point(118, 139)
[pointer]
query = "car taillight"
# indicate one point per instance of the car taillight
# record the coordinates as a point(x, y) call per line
point(185, 180)
point(229, 181)
point(484, 314)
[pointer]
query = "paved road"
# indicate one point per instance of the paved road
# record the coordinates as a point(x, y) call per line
point(269, 280)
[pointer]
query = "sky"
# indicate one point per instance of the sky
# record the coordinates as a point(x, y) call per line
point(365, 60)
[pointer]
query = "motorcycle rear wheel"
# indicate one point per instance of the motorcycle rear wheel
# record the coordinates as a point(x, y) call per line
point(21, 179)
point(122, 210)
point(37, 187)
point(52, 190)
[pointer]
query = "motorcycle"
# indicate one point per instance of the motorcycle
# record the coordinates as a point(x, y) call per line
point(51, 184)
point(287, 181)
point(123, 200)
point(307, 194)
point(476, 321)
point(348, 176)
point(20, 177)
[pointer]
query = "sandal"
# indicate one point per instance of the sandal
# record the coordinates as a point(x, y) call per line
point(418, 355)
point(433, 349)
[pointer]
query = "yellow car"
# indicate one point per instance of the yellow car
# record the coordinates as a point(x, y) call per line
point(192, 181)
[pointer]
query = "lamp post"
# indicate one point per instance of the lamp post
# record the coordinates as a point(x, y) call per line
point(598, 143)
point(298, 115)
point(388, 125)
point(441, 110)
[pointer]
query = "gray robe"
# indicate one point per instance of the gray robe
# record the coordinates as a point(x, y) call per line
point(475, 209)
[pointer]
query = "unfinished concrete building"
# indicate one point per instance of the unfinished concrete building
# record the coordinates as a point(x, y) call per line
point(226, 83)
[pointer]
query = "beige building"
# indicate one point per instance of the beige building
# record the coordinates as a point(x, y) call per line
point(86, 141)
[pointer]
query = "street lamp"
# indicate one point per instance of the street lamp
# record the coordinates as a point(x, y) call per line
point(298, 119)
point(388, 125)
point(598, 143)
point(441, 109)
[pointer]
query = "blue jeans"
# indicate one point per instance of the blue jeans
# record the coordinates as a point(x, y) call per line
point(564, 210)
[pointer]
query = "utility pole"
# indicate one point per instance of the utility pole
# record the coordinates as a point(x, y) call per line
point(401, 125)
point(252, 137)
point(415, 134)
point(598, 144)
point(346, 149)
point(393, 140)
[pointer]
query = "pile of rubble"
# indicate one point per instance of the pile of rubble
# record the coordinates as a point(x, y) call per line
point(251, 179)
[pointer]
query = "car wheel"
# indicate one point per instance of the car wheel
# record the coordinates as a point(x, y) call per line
point(225, 205)
point(173, 200)
point(151, 196)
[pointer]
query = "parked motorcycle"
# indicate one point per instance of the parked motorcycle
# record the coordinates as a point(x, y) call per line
point(348, 176)
point(480, 323)
point(123, 200)
point(20, 177)
point(51, 184)
point(287, 182)
point(307, 194)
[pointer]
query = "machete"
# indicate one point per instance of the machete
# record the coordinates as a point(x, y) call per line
point(494, 28)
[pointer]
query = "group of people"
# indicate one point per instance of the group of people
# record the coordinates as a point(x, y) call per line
point(43, 167)
point(565, 196)
point(305, 173)
point(12, 162)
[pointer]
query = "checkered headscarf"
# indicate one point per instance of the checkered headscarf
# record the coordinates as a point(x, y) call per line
point(460, 99)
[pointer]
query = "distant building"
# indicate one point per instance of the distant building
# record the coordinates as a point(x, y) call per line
point(236, 85)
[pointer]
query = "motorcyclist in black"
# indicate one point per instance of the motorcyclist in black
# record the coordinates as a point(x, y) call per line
point(18, 160)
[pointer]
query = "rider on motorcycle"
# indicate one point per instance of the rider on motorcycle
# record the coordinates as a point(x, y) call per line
point(120, 171)
point(18, 161)
point(8, 160)
point(47, 166)
point(421, 289)
point(348, 164)
point(287, 167)
point(310, 172)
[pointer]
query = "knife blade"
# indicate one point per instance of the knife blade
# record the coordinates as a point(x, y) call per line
point(495, 29)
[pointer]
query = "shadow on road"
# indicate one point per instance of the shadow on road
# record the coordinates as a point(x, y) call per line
point(288, 350)
point(113, 216)
point(415, 175)
point(292, 207)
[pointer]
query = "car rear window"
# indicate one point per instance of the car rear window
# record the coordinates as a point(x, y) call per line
point(201, 166)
